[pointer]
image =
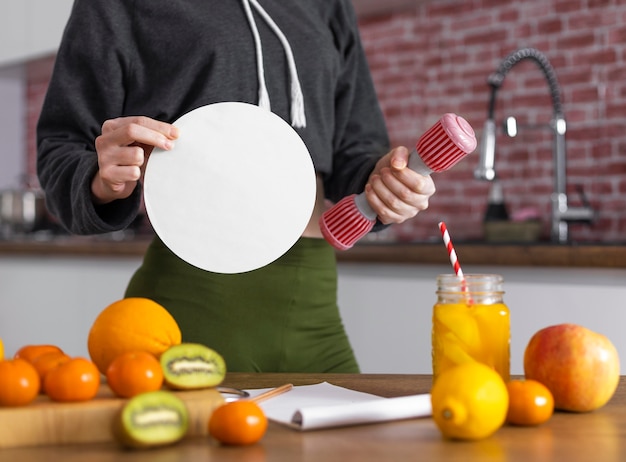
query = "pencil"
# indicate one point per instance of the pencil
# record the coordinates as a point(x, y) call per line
point(272, 393)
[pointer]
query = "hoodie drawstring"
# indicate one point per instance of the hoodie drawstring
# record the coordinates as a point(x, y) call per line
point(298, 118)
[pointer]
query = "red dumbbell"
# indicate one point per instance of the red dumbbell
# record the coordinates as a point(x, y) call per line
point(437, 150)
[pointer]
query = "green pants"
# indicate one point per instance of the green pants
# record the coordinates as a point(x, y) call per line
point(279, 318)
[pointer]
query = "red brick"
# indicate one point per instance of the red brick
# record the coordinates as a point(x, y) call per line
point(604, 56)
point(550, 26)
point(585, 95)
point(576, 41)
point(566, 6)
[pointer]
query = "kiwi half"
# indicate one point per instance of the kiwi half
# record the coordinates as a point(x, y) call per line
point(190, 366)
point(150, 419)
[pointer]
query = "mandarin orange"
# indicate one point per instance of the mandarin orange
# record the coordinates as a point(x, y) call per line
point(19, 382)
point(71, 381)
point(133, 373)
point(31, 352)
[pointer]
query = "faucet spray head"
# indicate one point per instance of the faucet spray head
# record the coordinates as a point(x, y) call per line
point(487, 153)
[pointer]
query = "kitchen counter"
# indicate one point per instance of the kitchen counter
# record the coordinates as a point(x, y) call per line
point(539, 254)
point(597, 435)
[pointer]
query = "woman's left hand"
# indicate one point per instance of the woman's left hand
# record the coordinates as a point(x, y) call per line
point(395, 192)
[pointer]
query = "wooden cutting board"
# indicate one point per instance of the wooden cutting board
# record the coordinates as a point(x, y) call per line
point(45, 422)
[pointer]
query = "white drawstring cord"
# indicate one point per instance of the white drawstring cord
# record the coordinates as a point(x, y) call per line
point(264, 98)
point(298, 118)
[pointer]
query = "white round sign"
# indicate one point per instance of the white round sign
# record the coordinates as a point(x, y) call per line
point(235, 192)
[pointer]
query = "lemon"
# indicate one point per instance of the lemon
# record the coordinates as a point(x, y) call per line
point(1, 350)
point(469, 401)
point(459, 320)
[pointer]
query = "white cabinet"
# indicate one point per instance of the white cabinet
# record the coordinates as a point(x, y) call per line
point(386, 308)
point(56, 299)
point(31, 28)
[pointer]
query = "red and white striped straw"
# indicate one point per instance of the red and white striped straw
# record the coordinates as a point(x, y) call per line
point(451, 252)
point(455, 261)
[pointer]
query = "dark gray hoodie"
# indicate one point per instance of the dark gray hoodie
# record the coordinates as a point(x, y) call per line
point(163, 58)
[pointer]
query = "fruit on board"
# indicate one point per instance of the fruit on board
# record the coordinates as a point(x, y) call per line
point(239, 423)
point(154, 418)
point(134, 372)
point(72, 381)
point(31, 352)
point(192, 365)
point(131, 324)
point(19, 382)
point(469, 401)
point(530, 403)
point(43, 363)
point(579, 366)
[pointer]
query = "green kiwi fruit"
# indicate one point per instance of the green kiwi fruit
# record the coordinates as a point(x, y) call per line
point(189, 366)
point(155, 418)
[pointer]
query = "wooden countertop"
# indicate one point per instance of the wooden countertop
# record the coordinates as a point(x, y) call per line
point(541, 254)
point(573, 437)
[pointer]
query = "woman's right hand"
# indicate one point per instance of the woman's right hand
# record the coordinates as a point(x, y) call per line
point(123, 149)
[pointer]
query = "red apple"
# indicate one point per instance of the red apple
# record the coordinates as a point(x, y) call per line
point(580, 367)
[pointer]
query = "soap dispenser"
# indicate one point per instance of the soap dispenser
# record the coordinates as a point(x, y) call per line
point(496, 208)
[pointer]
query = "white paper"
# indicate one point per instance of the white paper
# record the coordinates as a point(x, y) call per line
point(324, 405)
point(236, 191)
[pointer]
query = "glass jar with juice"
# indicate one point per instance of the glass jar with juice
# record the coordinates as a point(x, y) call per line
point(471, 323)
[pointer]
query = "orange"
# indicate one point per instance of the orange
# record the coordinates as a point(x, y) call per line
point(134, 372)
point(131, 324)
point(19, 382)
point(240, 422)
point(530, 402)
point(469, 401)
point(31, 352)
point(43, 363)
point(75, 380)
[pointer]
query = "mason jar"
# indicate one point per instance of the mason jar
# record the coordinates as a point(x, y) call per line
point(471, 323)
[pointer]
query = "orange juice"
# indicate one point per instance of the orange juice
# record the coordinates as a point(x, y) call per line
point(471, 323)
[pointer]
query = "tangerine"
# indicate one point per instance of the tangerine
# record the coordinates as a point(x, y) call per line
point(75, 380)
point(530, 402)
point(240, 422)
point(43, 363)
point(131, 324)
point(31, 352)
point(134, 372)
point(19, 382)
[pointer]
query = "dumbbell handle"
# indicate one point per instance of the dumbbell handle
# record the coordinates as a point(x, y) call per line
point(437, 150)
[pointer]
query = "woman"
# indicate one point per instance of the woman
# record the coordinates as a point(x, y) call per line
point(127, 69)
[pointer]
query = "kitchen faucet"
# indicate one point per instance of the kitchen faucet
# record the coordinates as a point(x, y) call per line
point(562, 213)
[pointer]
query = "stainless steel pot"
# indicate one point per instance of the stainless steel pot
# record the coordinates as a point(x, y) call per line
point(22, 210)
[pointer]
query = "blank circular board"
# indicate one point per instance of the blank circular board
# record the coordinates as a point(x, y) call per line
point(235, 192)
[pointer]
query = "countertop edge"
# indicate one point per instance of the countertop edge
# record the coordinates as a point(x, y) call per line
point(542, 254)
point(548, 255)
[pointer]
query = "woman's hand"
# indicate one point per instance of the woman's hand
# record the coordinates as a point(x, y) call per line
point(123, 148)
point(395, 192)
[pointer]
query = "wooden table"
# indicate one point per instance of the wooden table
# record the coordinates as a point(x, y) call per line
point(595, 436)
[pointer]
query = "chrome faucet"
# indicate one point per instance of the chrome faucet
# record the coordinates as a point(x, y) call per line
point(562, 213)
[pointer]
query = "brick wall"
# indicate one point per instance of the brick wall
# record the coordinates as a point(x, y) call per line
point(436, 58)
